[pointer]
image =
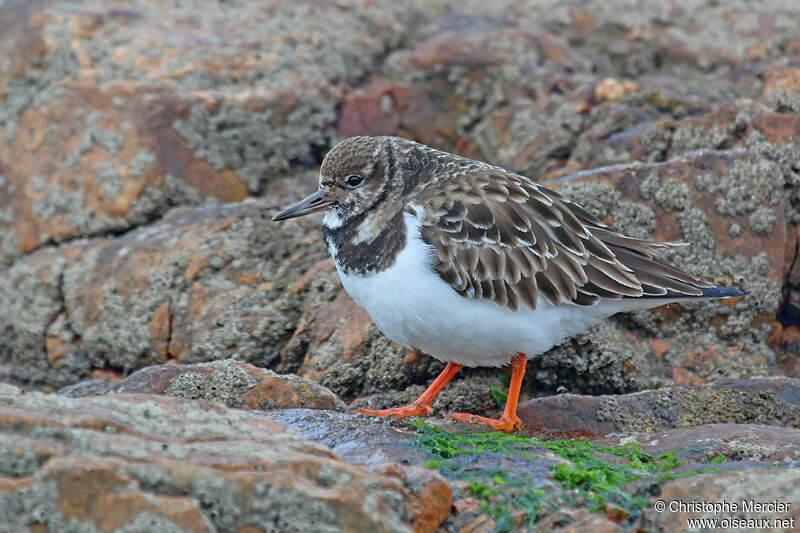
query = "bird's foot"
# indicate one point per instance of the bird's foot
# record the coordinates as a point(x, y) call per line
point(415, 409)
point(506, 424)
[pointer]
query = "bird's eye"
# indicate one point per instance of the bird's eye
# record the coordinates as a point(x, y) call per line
point(353, 181)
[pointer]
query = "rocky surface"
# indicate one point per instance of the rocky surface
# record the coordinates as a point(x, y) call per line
point(132, 461)
point(227, 383)
point(505, 483)
point(768, 401)
point(137, 462)
point(712, 443)
point(156, 106)
point(145, 146)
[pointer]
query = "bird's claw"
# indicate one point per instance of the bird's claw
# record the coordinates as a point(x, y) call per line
point(504, 424)
point(415, 409)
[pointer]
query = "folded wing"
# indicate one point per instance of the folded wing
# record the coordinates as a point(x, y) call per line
point(499, 236)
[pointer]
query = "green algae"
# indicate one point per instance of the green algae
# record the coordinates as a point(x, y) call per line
point(592, 476)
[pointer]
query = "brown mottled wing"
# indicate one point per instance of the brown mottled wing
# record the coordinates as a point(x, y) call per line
point(502, 237)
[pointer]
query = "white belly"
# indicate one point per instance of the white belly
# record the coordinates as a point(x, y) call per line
point(414, 307)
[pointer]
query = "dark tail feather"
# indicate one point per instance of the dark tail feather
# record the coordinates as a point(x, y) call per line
point(708, 294)
point(659, 280)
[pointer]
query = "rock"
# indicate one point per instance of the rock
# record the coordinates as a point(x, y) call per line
point(120, 123)
point(737, 442)
point(508, 482)
point(138, 461)
point(229, 383)
point(164, 462)
point(782, 87)
point(132, 137)
point(376, 443)
point(770, 401)
point(696, 199)
point(188, 288)
point(743, 488)
point(575, 521)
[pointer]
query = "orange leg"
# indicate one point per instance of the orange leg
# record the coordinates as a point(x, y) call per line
point(422, 405)
point(509, 421)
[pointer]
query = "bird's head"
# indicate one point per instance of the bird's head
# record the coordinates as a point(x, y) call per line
point(358, 176)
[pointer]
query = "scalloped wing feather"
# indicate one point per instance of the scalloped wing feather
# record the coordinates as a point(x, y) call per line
point(499, 236)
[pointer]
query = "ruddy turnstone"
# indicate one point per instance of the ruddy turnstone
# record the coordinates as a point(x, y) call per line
point(474, 264)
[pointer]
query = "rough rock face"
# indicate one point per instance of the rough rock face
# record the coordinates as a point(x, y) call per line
point(520, 484)
point(227, 383)
point(125, 112)
point(144, 146)
point(141, 462)
point(448, 477)
point(767, 401)
point(155, 106)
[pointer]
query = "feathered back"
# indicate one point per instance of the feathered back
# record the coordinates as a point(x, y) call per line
point(502, 237)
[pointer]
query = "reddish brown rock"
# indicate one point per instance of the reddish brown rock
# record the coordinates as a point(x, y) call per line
point(124, 113)
point(781, 79)
point(118, 170)
point(577, 520)
point(340, 322)
point(426, 114)
point(229, 383)
point(770, 401)
point(137, 460)
point(432, 498)
point(785, 340)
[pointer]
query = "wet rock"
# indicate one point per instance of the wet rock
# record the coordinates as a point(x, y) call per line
point(139, 461)
point(376, 443)
point(769, 401)
point(229, 383)
point(734, 441)
point(510, 483)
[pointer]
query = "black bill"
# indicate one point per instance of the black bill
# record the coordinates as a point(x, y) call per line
point(307, 205)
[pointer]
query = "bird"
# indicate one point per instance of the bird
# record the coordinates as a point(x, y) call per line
point(477, 265)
